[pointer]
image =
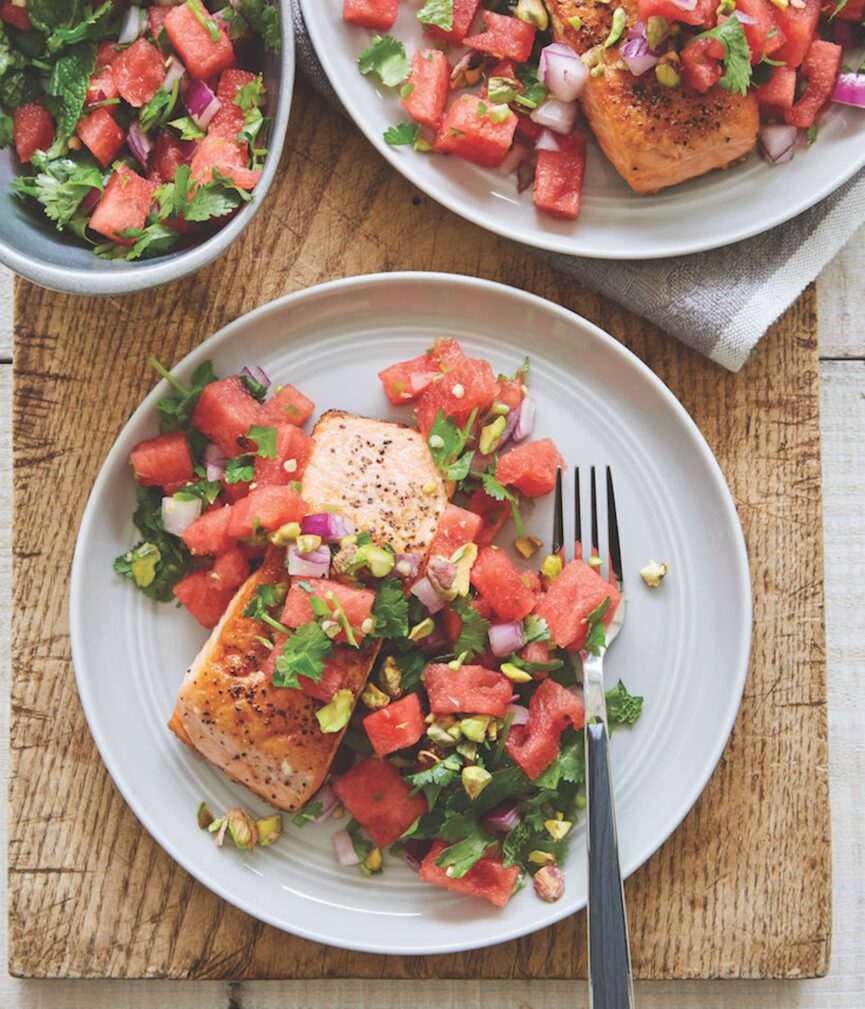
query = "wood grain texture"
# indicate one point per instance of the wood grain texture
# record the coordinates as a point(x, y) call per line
point(743, 887)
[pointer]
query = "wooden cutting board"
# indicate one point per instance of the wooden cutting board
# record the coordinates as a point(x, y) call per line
point(742, 889)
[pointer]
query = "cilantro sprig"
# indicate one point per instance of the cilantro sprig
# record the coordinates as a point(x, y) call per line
point(304, 654)
point(387, 58)
point(737, 54)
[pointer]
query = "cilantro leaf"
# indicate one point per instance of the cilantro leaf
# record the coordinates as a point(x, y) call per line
point(434, 780)
point(459, 470)
point(175, 411)
point(5, 130)
point(304, 654)
point(439, 13)
point(569, 765)
point(535, 628)
point(156, 112)
point(155, 239)
point(386, 56)
point(265, 440)
point(402, 133)
point(462, 855)
point(207, 490)
point(240, 469)
point(446, 442)
point(496, 490)
point(307, 814)
point(68, 85)
point(474, 633)
point(157, 563)
point(533, 91)
point(623, 708)
point(214, 199)
point(263, 18)
point(411, 666)
point(390, 610)
point(60, 185)
point(737, 54)
point(188, 128)
point(596, 638)
point(264, 599)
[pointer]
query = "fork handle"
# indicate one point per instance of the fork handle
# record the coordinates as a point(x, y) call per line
point(610, 985)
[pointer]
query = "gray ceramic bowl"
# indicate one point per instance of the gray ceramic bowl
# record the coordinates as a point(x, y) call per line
point(31, 246)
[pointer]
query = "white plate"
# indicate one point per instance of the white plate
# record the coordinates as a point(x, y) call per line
point(685, 647)
point(614, 222)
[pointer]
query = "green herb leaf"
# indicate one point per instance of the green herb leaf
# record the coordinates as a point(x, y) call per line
point(403, 133)
point(265, 598)
point(175, 411)
point(536, 628)
point(533, 91)
point(386, 56)
point(390, 610)
point(68, 85)
point(265, 440)
point(60, 185)
point(304, 654)
point(155, 239)
point(439, 13)
point(496, 490)
point(307, 814)
point(737, 54)
point(623, 708)
point(263, 18)
point(474, 633)
point(437, 778)
point(189, 129)
point(205, 490)
point(156, 564)
point(202, 16)
point(6, 130)
point(92, 27)
point(156, 112)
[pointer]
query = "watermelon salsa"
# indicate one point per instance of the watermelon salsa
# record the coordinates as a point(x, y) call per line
point(464, 755)
point(139, 129)
point(499, 85)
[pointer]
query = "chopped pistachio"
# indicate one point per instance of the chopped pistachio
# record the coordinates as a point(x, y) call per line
point(580, 801)
point(576, 22)
point(442, 733)
point(308, 543)
point(372, 862)
point(500, 409)
point(338, 812)
point(592, 57)
point(218, 828)
point(557, 828)
point(390, 677)
point(493, 730)
point(378, 561)
point(514, 673)
point(653, 573)
point(599, 70)
point(528, 546)
point(373, 698)
point(334, 716)
point(475, 780)
point(617, 27)
point(595, 562)
point(422, 630)
point(143, 567)
point(468, 750)
point(491, 435)
point(670, 77)
point(464, 558)
point(475, 728)
point(331, 628)
point(538, 857)
point(269, 829)
point(422, 146)
point(347, 541)
point(457, 663)
point(657, 31)
point(551, 567)
point(726, 7)
point(533, 12)
point(205, 817)
point(241, 828)
point(782, 5)
point(368, 626)
point(549, 883)
point(429, 487)
point(286, 534)
point(436, 441)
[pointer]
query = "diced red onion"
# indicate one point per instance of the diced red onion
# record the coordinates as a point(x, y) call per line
point(344, 849)
point(173, 73)
point(407, 565)
point(139, 143)
point(511, 419)
point(214, 462)
point(547, 141)
point(847, 34)
point(131, 25)
point(502, 820)
point(526, 421)
point(96, 99)
point(257, 374)
point(685, 5)
point(188, 149)
point(525, 175)
point(435, 643)
point(560, 117)
point(520, 713)
point(562, 71)
point(177, 515)
point(637, 52)
point(201, 103)
point(327, 797)
point(423, 590)
point(743, 18)
point(850, 90)
point(519, 152)
point(328, 525)
point(413, 852)
point(777, 142)
point(90, 200)
point(315, 564)
point(506, 637)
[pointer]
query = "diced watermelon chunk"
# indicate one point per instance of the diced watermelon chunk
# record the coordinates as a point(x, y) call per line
point(379, 15)
point(488, 878)
point(701, 63)
point(504, 36)
point(203, 598)
point(530, 467)
point(101, 135)
point(456, 528)
point(293, 449)
point(32, 128)
point(156, 21)
point(405, 381)
point(376, 795)
point(225, 412)
point(502, 585)
point(234, 492)
point(124, 204)
point(510, 392)
point(471, 690)
point(469, 132)
point(558, 184)
point(535, 745)
point(208, 534)
point(779, 91)
point(333, 677)
point(106, 54)
point(537, 652)
point(357, 603)
point(820, 69)
point(159, 462)
point(763, 35)
point(428, 86)
point(570, 599)
point(266, 508)
point(201, 55)
point(12, 14)
point(702, 15)
point(230, 570)
point(469, 384)
point(168, 156)
point(493, 514)
point(464, 14)
point(287, 406)
point(139, 72)
point(228, 121)
point(230, 159)
point(397, 726)
point(102, 87)
point(797, 25)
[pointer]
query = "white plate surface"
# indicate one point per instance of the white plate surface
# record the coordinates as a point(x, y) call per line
point(685, 647)
point(614, 223)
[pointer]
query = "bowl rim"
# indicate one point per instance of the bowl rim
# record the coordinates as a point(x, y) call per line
point(73, 280)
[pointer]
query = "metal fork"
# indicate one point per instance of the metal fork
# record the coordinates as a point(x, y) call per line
point(610, 982)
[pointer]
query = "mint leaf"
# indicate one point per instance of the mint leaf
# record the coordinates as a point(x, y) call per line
point(439, 13)
point(68, 85)
point(92, 27)
point(390, 610)
point(304, 654)
point(737, 54)
point(402, 133)
point(386, 56)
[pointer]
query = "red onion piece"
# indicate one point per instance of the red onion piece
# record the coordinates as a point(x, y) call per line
point(90, 200)
point(413, 852)
point(327, 797)
point(506, 637)
point(328, 525)
point(173, 73)
point(139, 144)
point(519, 152)
point(511, 419)
point(201, 103)
point(214, 461)
point(95, 99)
point(502, 820)
point(525, 175)
point(407, 565)
point(560, 117)
point(257, 374)
point(424, 591)
point(521, 714)
point(777, 142)
point(526, 421)
point(850, 90)
point(547, 141)
point(685, 5)
point(637, 52)
point(315, 564)
point(562, 71)
point(131, 25)
point(344, 849)
point(744, 18)
point(177, 515)
point(188, 149)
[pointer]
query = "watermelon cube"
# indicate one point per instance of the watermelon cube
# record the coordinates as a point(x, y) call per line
point(504, 36)
point(293, 449)
point(397, 726)
point(570, 599)
point(139, 72)
point(17, 17)
point(488, 878)
point(427, 88)
point(797, 25)
point(32, 128)
point(201, 55)
point(535, 745)
point(467, 385)
point(470, 132)
point(102, 87)
point(559, 175)
point(464, 14)
point(124, 204)
point(701, 63)
point(506, 589)
point(229, 158)
point(470, 690)
point(101, 135)
point(265, 509)
point(780, 90)
point(203, 598)
point(356, 603)
point(234, 492)
point(228, 121)
point(820, 68)
point(334, 675)
point(379, 15)
point(230, 570)
point(530, 467)
point(208, 534)
point(168, 156)
point(106, 54)
point(456, 528)
point(376, 795)
point(162, 461)
point(405, 381)
point(224, 413)
point(763, 35)
point(156, 21)
point(287, 406)
point(493, 515)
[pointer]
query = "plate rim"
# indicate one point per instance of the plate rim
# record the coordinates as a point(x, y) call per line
point(552, 242)
point(224, 335)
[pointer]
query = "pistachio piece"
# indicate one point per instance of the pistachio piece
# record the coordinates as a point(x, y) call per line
point(468, 750)
point(442, 733)
point(592, 57)
point(599, 70)
point(576, 22)
point(475, 780)
point(205, 817)
point(373, 698)
point(514, 673)
point(595, 562)
point(528, 546)
point(379, 561)
point(491, 435)
point(493, 730)
point(390, 678)
point(551, 567)
point(657, 31)
point(501, 90)
point(669, 76)
point(334, 716)
point(457, 663)
point(549, 883)
point(142, 564)
point(422, 630)
point(464, 558)
point(372, 863)
point(269, 829)
point(499, 409)
point(475, 728)
point(617, 27)
point(241, 828)
point(538, 857)
point(308, 543)
point(286, 534)
point(533, 12)
point(557, 828)
point(653, 573)
point(580, 801)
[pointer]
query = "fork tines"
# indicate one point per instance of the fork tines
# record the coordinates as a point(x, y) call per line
point(613, 544)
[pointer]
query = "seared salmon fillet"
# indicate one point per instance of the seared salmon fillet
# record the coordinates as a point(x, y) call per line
point(227, 709)
point(655, 136)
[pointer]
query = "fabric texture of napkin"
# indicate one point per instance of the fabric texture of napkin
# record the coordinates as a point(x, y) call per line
point(719, 302)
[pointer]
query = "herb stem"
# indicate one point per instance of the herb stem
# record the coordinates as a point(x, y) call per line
point(169, 378)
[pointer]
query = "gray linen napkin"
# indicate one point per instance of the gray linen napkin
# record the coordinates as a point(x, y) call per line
point(720, 302)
